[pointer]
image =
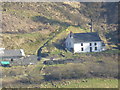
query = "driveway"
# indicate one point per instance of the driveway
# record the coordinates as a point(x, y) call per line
point(28, 60)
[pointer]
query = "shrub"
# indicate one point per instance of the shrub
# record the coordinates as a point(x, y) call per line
point(87, 69)
point(51, 62)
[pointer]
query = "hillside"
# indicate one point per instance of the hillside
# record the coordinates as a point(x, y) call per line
point(45, 25)
point(27, 17)
point(22, 21)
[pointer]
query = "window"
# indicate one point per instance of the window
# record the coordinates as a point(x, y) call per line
point(81, 44)
point(90, 44)
point(95, 48)
point(82, 49)
point(95, 44)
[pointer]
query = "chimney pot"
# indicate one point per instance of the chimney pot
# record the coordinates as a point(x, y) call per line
point(71, 34)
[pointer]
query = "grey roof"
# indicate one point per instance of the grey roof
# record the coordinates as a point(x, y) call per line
point(86, 37)
point(13, 53)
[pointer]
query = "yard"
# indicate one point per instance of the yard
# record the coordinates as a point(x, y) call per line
point(28, 60)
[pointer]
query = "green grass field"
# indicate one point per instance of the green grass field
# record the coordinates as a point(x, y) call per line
point(71, 83)
point(80, 83)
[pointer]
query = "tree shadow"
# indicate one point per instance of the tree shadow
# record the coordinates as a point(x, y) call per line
point(111, 12)
point(100, 10)
point(113, 37)
point(45, 20)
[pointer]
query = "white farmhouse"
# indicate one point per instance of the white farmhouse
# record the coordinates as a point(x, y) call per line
point(84, 42)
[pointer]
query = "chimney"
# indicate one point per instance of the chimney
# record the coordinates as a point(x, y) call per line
point(71, 34)
point(91, 28)
point(91, 25)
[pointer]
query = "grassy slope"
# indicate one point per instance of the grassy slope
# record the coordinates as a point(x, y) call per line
point(55, 46)
point(29, 42)
point(91, 83)
point(75, 83)
point(19, 76)
point(24, 17)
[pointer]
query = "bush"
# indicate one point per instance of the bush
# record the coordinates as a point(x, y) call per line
point(88, 69)
point(51, 62)
point(105, 70)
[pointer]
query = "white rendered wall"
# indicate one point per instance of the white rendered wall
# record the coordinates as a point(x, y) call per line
point(22, 51)
point(86, 46)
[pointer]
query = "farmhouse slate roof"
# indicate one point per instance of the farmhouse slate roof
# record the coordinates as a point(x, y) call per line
point(13, 53)
point(86, 37)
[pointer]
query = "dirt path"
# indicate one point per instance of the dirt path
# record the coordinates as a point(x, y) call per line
point(49, 39)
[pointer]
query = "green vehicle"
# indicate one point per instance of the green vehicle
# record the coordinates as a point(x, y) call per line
point(5, 63)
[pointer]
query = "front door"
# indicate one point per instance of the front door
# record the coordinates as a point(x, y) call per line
point(90, 49)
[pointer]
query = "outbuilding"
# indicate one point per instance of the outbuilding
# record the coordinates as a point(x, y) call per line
point(11, 54)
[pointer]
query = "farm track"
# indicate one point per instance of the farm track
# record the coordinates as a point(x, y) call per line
point(49, 39)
